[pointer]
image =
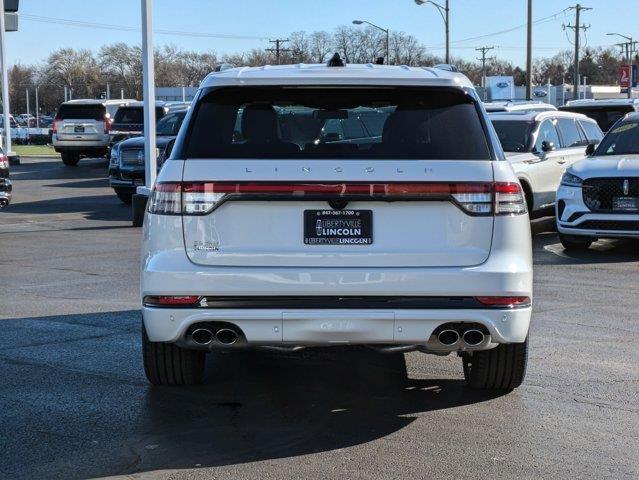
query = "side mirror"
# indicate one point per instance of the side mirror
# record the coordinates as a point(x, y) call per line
point(590, 149)
point(547, 146)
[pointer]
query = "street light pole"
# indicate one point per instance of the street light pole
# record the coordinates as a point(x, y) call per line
point(444, 11)
point(385, 30)
point(5, 86)
point(629, 48)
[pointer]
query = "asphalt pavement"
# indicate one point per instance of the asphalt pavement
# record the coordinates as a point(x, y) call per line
point(74, 402)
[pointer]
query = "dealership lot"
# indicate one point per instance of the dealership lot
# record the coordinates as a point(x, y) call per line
point(74, 402)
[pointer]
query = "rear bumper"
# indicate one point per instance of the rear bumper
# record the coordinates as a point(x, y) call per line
point(101, 143)
point(334, 327)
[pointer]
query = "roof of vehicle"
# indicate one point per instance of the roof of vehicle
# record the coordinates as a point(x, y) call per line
point(92, 101)
point(350, 74)
point(510, 105)
point(140, 104)
point(602, 102)
point(529, 116)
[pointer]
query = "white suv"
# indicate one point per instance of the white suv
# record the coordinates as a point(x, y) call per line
point(269, 228)
point(599, 196)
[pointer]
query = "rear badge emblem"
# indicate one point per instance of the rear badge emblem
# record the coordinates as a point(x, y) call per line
point(626, 187)
point(205, 246)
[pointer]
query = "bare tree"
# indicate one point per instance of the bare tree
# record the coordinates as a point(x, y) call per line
point(320, 46)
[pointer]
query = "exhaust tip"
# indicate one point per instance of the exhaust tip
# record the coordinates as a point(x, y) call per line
point(202, 336)
point(448, 337)
point(473, 337)
point(226, 336)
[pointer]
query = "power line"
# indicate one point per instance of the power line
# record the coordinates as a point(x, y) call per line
point(483, 59)
point(577, 27)
point(278, 49)
point(123, 28)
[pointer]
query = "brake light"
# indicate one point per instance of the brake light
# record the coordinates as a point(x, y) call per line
point(475, 198)
point(4, 162)
point(107, 124)
point(505, 302)
point(55, 125)
point(509, 199)
point(171, 300)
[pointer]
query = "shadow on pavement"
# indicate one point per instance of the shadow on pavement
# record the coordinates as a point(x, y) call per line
point(56, 170)
point(78, 405)
point(548, 250)
point(94, 207)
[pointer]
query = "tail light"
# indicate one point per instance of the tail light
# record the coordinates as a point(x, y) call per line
point(4, 162)
point(509, 199)
point(107, 124)
point(475, 198)
point(55, 125)
point(504, 302)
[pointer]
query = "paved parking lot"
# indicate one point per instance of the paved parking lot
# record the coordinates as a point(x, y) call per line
point(74, 402)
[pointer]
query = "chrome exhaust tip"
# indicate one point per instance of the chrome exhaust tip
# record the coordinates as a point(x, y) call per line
point(473, 337)
point(202, 336)
point(448, 337)
point(226, 336)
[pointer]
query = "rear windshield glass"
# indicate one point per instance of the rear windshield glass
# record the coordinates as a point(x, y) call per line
point(81, 112)
point(336, 122)
point(621, 140)
point(514, 135)
point(604, 116)
point(134, 114)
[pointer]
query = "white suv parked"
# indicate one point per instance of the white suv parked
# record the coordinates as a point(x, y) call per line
point(599, 196)
point(540, 146)
point(409, 232)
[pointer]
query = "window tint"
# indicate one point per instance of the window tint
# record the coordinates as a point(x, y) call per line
point(513, 135)
point(293, 122)
point(593, 132)
point(570, 134)
point(621, 140)
point(604, 116)
point(170, 124)
point(134, 114)
point(81, 112)
point(547, 133)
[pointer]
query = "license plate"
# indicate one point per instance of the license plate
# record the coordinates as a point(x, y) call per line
point(627, 204)
point(338, 227)
point(78, 129)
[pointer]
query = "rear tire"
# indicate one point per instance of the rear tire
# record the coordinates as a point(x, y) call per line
point(70, 159)
point(168, 364)
point(575, 242)
point(501, 368)
point(125, 195)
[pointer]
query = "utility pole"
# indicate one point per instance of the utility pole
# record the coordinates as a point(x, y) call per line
point(577, 27)
point(483, 59)
point(529, 54)
point(278, 49)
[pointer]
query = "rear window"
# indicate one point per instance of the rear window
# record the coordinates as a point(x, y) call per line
point(604, 116)
point(514, 136)
point(134, 114)
point(593, 132)
point(81, 112)
point(336, 122)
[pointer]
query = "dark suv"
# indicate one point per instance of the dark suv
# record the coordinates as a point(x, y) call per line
point(126, 168)
point(129, 120)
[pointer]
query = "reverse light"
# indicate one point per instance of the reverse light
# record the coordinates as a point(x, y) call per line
point(570, 180)
point(504, 302)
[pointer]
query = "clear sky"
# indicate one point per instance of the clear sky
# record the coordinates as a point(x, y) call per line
point(258, 20)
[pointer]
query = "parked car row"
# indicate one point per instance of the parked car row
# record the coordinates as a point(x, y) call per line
point(5, 182)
